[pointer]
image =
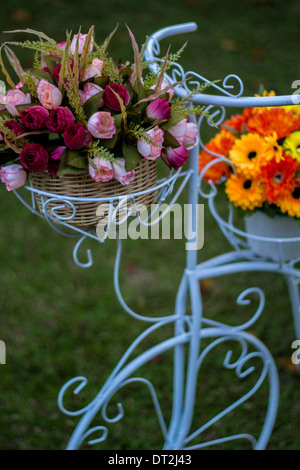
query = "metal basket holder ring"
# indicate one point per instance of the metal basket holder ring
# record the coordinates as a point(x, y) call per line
point(191, 328)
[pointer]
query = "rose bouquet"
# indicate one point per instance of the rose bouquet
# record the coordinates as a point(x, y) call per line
point(76, 111)
point(256, 157)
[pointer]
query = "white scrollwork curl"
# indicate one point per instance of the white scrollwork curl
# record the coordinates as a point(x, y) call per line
point(238, 365)
point(82, 383)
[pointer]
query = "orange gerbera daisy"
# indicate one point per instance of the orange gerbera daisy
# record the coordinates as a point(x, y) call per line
point(279, 178)
point(247, 154)
point(238, 121)
point(290, 203)
point(272, 149)
point(220, 145)
point(273, 120)
point(244, 192)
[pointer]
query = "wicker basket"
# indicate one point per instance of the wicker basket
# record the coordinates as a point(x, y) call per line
point(84, 186)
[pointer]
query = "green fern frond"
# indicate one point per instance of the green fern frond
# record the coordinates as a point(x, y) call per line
point(37, 61)
point(31, 82)
point(72, 91)
point(97, 151)
point(45, 47)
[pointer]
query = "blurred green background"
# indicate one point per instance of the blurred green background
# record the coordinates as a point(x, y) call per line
point(59, 321)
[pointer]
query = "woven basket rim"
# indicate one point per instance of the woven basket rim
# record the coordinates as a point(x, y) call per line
point(132, 195)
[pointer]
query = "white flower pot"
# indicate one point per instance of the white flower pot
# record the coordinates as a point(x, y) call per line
point(278, 228)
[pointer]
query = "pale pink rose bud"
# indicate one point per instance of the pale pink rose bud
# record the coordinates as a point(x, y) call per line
point(102, 125)
point(81, 42)
point(49, 95)
point(13, 176)
point(90, 89)
point(94, 70)
point(179, 131)
point(158, 110)
point(103, 172)
point(191, 134)
point(151, 150)
point(14, 98)
point(120, 174)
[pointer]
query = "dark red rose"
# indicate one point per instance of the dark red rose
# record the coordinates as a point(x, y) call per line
point(34, 157)
point(110, 99)
point(15, 127)
point(175, 158)
point(59, 119)
point(75, 136)
point(34, 118)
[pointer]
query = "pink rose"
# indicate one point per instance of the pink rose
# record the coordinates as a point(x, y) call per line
point(152, 150)
point(34, 118)
point(90, 89)
point(34, 157)
point(175, 158)
point(62, 46)
point(13, 176)
point(81, 42)
point(191, 134)
point(110, 99)
point(59, 119)
point(14, 98)
point(49, 95)
point(158, 110)
point(94, 70)
point(102, 125)
point(179, 131)
point(120, 174)
point(75, 136)
point(102, 170)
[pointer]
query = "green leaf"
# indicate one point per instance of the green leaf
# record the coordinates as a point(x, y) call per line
point(91, 105)
point(118, 121)
point(41, 74)
point(176, 117)
point(76, 159)
point(170, 141)
point(66, 169)
point(126, 72)
point(110, 143)
point(101, 81)
point(131, 155)
point(141, 90)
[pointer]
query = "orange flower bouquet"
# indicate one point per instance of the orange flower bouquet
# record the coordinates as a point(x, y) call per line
point(261, 166)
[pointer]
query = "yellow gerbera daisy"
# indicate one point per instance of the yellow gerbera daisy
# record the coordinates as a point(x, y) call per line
point(247, 154)
point(291, 145)
point(244, 192)
point(290, 203)
point(272, 149)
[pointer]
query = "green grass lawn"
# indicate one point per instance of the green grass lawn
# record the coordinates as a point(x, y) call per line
point(59, 321)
